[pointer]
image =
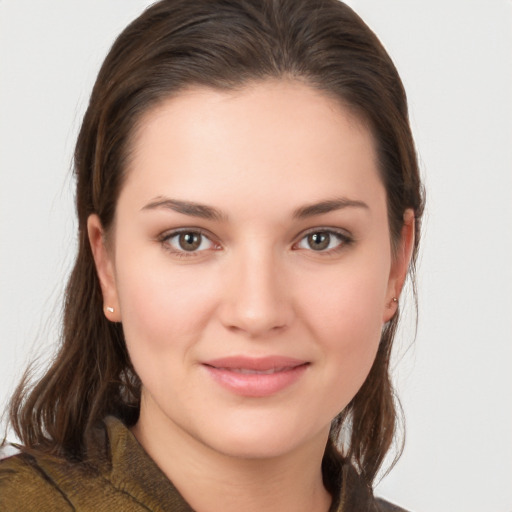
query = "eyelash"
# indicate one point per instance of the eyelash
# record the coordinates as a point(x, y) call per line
point(343, 238)
point(165, 240)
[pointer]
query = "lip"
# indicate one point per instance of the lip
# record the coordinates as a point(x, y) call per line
point(256, 377)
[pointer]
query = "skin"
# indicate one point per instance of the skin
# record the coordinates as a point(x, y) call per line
point(256, 286)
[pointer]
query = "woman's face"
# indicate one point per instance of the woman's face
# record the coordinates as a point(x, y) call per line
point(250, 265)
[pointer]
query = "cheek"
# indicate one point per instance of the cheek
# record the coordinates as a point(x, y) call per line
point(344, 315)
point(163, 313)
point(348, 301)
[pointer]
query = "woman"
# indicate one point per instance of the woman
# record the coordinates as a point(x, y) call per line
point(249, 208)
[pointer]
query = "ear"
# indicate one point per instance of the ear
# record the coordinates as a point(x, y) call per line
point(400, 266)
point(103, 259)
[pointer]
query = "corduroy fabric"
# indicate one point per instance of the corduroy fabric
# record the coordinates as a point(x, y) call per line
point(124, 478)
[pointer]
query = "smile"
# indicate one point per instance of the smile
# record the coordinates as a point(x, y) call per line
point(256, 377)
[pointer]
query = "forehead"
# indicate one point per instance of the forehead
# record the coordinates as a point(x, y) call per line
point(280, 134)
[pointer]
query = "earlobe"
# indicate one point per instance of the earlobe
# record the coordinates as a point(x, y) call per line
point(103, 261)
point(400, 266)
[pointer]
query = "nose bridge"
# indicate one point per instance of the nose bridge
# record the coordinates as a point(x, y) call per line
point(256, 300)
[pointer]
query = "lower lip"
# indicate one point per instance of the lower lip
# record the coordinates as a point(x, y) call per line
point(256, 384)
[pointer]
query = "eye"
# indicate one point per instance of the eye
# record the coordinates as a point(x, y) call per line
point(187, 241)
point(323, 241)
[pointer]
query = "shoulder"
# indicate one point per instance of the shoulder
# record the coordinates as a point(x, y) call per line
point(33, 480)
point(357, 496)
point(118, 475)
point(350, 491)
point(25, 486)
point(386, 506)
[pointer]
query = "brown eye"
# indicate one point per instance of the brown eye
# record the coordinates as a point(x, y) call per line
point(319, 241)
point(326, 241)
point(189, 241)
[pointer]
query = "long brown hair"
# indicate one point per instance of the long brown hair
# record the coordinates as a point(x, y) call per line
point(221, 44)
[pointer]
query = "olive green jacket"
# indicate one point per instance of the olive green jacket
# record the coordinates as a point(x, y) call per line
point(125, 479)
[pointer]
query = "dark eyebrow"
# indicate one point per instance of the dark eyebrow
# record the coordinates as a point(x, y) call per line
point(327, 206)
point(210, 213)
point(187, 208)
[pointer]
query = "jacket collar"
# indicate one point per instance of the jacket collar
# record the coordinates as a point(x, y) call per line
point(131, 468)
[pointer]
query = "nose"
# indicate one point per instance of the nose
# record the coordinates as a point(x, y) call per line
point(256, 298)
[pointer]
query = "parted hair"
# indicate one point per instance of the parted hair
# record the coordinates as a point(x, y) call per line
point(221, 44)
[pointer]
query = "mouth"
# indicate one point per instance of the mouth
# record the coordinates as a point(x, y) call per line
point(256, 377)
point(247, 371)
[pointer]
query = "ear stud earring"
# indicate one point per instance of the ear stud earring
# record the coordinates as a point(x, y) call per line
point(109, 309)
point(393, 301)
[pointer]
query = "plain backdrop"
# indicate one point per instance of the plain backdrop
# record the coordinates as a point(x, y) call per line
point(455, 380)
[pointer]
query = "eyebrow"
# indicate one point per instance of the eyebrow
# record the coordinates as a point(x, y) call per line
point(327, 206)
point(187, 208)
point(210, 213)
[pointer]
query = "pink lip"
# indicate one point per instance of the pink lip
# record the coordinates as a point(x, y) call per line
point(256, 377)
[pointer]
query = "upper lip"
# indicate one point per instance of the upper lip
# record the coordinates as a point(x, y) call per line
point(255, 363)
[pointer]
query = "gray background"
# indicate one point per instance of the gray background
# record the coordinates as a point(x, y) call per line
point(455, 380)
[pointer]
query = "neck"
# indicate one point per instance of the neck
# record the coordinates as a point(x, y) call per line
point(211, 481)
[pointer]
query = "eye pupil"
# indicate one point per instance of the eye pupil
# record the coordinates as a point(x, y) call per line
point(189, 241)
point(319, 241)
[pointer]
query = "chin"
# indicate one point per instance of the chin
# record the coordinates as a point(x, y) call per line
point(256, 447)
point(262, 439)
